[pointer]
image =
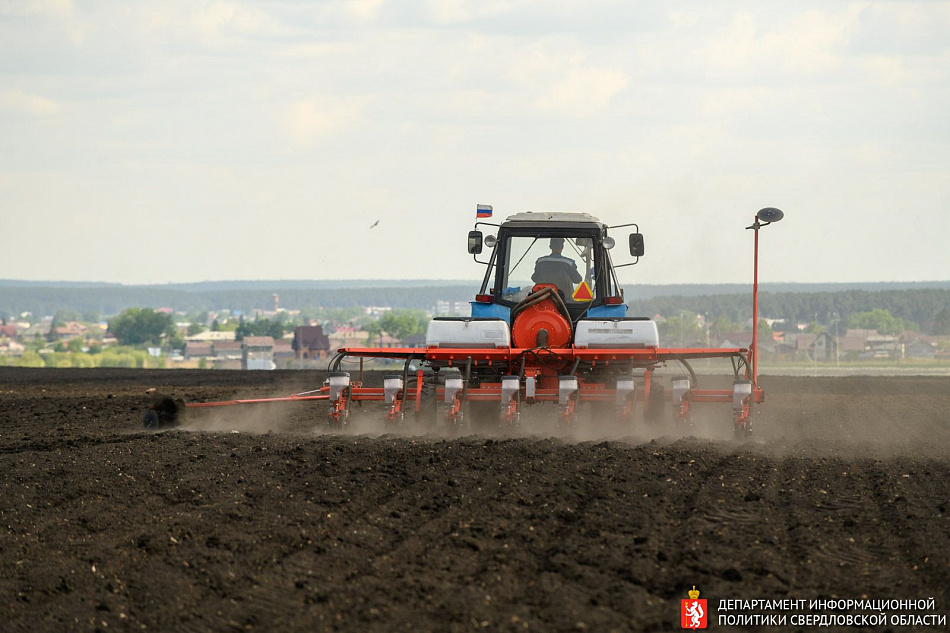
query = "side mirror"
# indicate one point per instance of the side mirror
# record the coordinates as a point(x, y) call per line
point(474, 242)
point(636, 244)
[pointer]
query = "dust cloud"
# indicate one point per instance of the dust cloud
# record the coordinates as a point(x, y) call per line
point(834, 417)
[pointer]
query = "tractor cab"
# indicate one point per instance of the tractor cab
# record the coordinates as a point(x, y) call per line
point(569, 253)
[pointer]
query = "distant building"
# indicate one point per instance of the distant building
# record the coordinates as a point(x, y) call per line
point(851, 347)
point(416, 340)
point(348, 336)
point(9, 347)
point(228, 350)
point(212, 336)
point(37, 330)
point(258, 353)
point(884, 346)
point(309, 342)
point(70, 331)
point(728, 340)
point(283, 353)
point(386, 341)
point(824, 348)
point(197, 350)
point(445, 308)
point(804, 345)
point(920, 349)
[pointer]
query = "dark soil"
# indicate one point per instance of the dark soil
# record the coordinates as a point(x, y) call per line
point(845, 493)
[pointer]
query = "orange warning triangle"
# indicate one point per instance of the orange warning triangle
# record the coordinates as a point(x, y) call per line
point(583, 293)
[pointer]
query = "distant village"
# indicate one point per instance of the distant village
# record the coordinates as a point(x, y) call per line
point(214, 342)
point(828, 347)
point(310, 343)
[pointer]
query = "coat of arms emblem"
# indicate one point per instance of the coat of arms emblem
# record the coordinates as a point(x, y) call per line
point(693, 611)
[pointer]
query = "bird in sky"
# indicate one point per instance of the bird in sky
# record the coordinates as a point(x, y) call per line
point(374, 224)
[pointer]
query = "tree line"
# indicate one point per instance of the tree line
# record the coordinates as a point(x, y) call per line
point(921, 307)
point(113, 300)
point(918, 306)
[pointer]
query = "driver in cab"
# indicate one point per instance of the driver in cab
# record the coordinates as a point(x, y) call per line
point(557, 269)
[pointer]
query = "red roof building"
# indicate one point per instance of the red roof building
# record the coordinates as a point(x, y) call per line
point(309, 342)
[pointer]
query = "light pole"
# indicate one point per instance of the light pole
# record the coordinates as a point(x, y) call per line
point(763, 218)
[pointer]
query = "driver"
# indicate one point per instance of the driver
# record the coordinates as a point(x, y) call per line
point(557, 269)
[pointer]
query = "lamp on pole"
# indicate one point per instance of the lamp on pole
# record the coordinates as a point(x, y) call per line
point(763, 218)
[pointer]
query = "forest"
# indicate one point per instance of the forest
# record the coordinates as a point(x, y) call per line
point(799, 304)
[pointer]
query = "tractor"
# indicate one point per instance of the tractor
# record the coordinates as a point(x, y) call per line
point(548, 326)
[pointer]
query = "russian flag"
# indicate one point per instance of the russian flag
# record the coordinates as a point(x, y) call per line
point(483, 211)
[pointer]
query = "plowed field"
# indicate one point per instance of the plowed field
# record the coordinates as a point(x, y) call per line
point(252, 521)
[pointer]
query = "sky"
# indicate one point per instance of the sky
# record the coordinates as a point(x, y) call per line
point(195, 140)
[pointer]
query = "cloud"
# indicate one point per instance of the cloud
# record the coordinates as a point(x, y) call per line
point(456, 11)
point(215, 24)
point(40, 8)
point(583, 92)
point(727, 102)
point(902, 28)
point(568, 104)
point(559, 78)
point(226, 17)
point(19, 102)
point(310, 121)
point(804, 45)
point(365, 9)
point(313, 50)
point(56, 18)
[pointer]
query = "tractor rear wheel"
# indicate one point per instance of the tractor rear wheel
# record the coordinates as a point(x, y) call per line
point(152, 421)
point(165, 412)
